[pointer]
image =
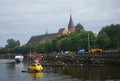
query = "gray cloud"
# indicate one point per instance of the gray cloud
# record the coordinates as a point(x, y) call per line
point(21, 19)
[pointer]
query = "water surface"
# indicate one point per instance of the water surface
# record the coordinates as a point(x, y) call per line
point(11, 71)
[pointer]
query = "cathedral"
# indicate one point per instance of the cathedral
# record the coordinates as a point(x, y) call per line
point(36, 39)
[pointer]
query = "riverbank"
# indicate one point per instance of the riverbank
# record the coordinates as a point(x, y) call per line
point(98, 59)
point(82, 60)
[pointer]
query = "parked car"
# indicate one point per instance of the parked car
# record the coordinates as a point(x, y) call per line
point(68, 52)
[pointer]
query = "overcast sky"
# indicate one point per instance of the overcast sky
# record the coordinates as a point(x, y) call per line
point(21, 19)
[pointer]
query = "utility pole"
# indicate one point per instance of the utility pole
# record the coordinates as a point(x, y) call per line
point(88, 42)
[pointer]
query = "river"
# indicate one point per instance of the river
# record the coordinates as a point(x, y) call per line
point(11, 71)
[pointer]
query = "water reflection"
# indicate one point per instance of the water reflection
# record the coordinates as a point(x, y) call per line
point(36, 76)
point(19, 65)
point(15, 66)
point(90, 73)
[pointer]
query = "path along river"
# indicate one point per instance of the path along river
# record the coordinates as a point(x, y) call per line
point(11, 71)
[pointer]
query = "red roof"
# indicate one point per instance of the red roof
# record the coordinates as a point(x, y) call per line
point(62, 31)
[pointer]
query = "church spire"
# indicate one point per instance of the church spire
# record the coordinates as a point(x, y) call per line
point(70, 22)
point(71, 26)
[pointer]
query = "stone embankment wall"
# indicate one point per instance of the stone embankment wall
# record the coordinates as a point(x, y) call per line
point(82, 59)
point(98, 59)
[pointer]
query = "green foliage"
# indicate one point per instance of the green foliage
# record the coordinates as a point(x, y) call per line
point(12, 43)
point(79, 28)
point(3, 51)
point(27, 48)
point(54, 44)
point(44, 46)
point(103, 40)
point(112, 33)
point(64, 44)
point(80, 40)
point(12, 46)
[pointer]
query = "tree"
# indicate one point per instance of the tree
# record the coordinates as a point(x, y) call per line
point(48, 46)
point(12, 46)
point(113, 32)
point(12, 43)
point(79, 27)
point(54, 44)
point(80, 40)
point(103, 40)
point(44, 46)
point(60, 42)
point(65, 44)
point(27, 48)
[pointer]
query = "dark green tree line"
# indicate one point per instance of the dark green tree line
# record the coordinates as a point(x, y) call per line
point(107, 38)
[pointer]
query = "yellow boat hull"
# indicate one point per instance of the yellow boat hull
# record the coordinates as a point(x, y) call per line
point(36, 67)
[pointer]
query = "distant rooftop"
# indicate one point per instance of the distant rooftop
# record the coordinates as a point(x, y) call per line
point(62, 31)
point(36, 39)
